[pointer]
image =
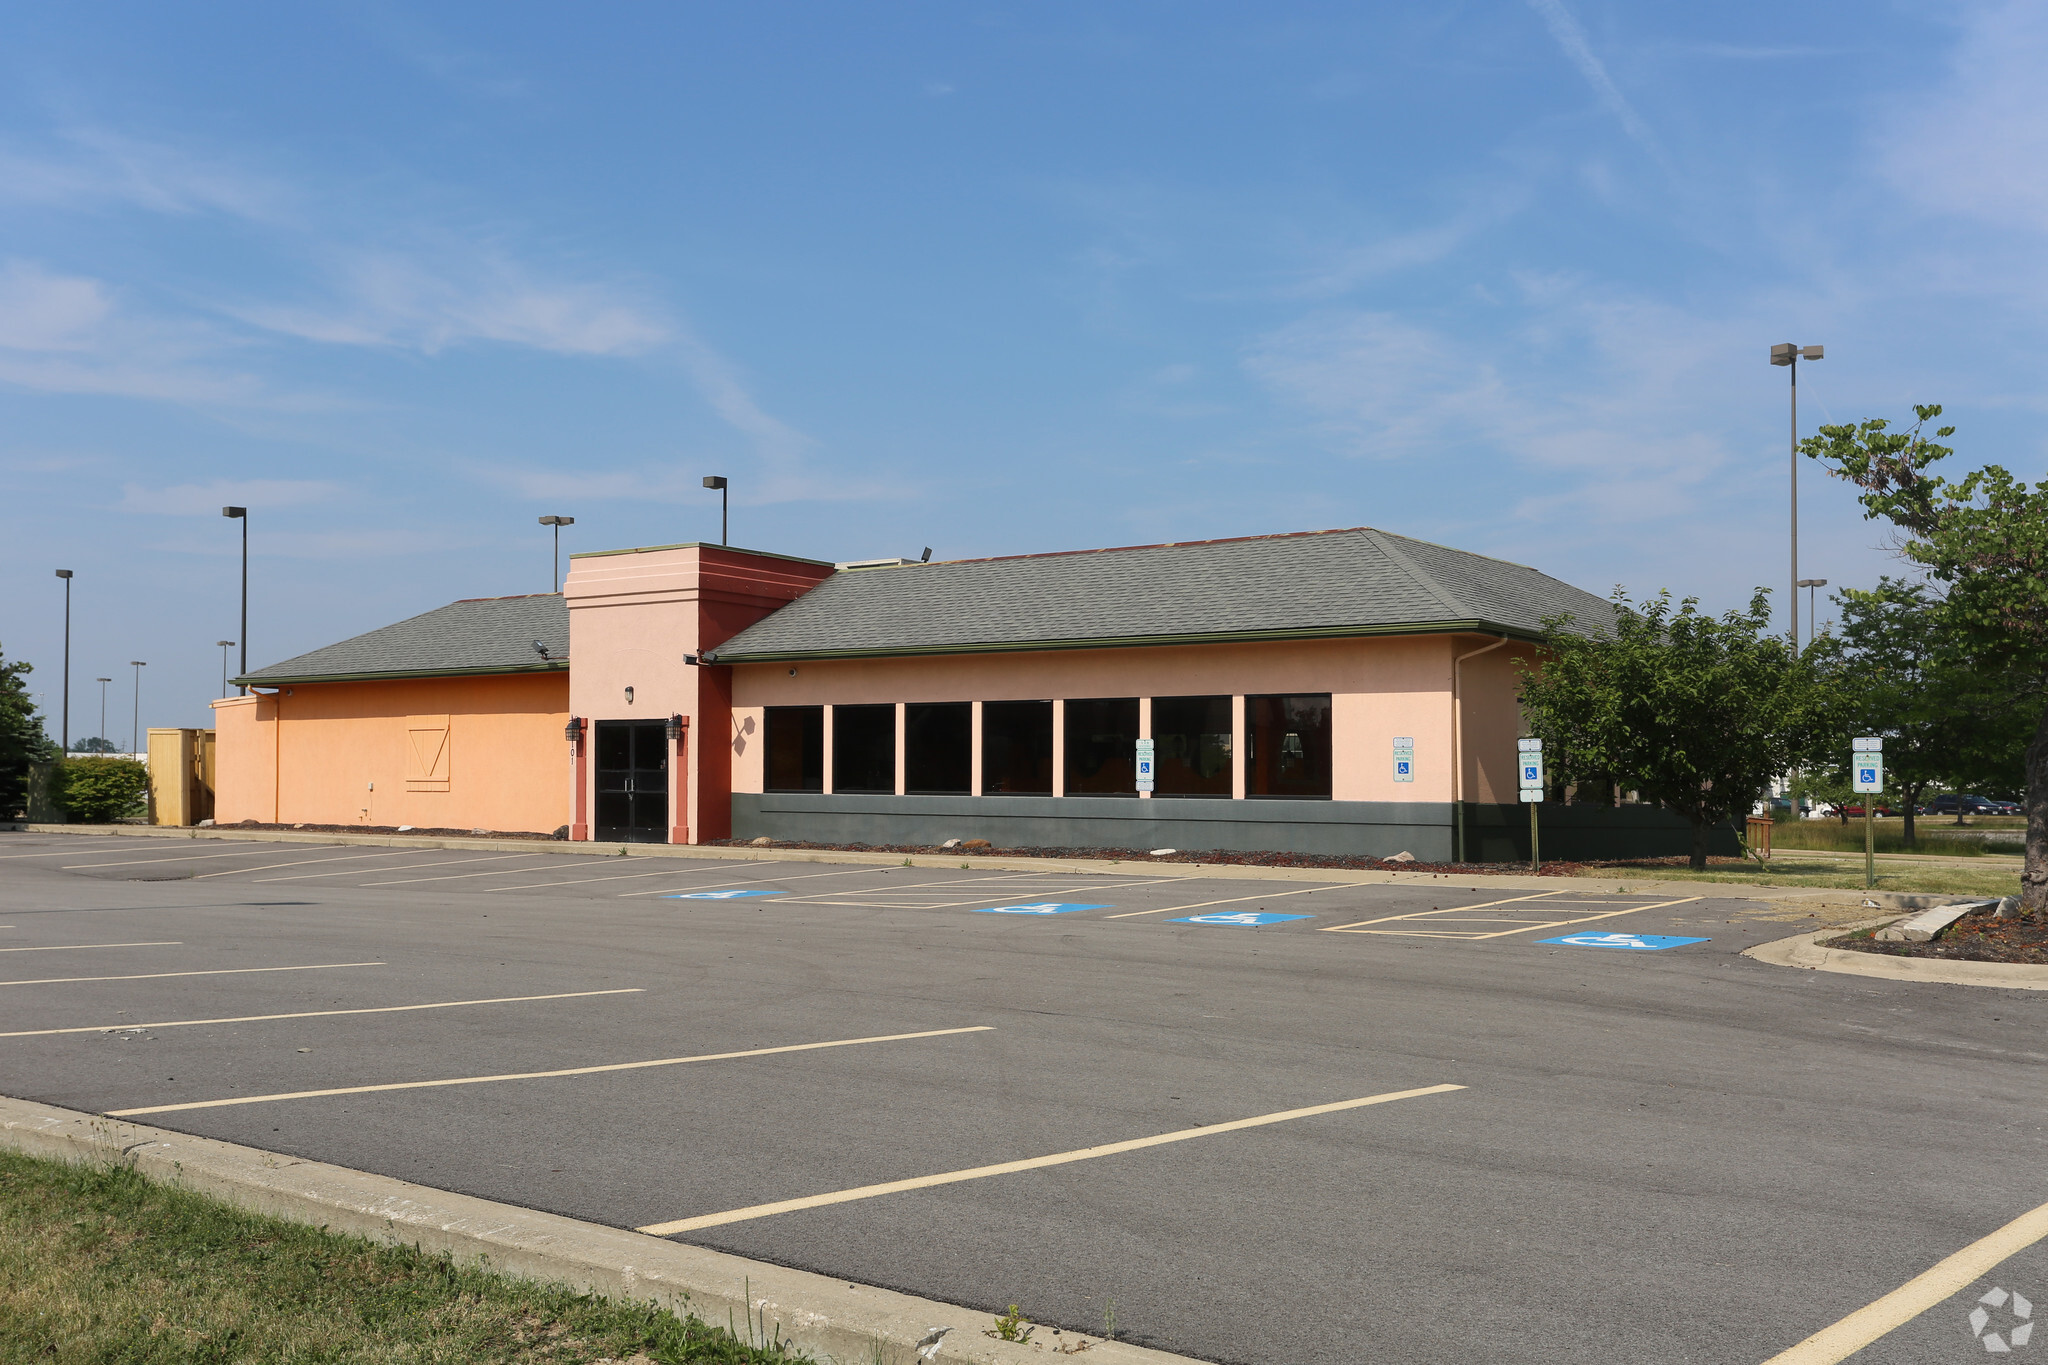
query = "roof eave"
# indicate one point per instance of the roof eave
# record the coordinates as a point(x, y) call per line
point(270, 679)
point(1137, 642)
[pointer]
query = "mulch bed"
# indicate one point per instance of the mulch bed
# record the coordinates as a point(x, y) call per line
point(394, 829)
point(1978, 937)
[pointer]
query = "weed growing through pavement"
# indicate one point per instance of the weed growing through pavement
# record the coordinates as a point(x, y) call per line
point(1109, 1319)
point(1012, 1326)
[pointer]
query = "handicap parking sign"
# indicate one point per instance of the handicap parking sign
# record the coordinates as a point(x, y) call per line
point(719, 895)
point(1042, 908)
point(1250, 919)
point(1640, 943)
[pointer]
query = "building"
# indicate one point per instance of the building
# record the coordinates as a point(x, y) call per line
point(1347, 691)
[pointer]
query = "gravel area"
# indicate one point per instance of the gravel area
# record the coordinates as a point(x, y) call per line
point(1979, 937)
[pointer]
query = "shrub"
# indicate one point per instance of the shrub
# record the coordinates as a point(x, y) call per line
point(98, 791)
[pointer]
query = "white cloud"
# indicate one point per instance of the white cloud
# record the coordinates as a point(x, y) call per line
point(90, 167)
point(195, 499)
point(1976, 144)
point(1572, 39)
point(40, 311)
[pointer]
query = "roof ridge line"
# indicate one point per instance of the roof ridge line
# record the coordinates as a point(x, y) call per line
point(1443, 598)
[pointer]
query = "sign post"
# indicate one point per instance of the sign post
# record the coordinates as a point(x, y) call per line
point(1144, 765)
point(1866, 773)
point(1529, 769)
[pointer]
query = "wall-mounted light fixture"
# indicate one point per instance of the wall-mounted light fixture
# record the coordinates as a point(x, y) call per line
point(676, 726)
point(573, 731)
point(629, 696)
point(690, 659)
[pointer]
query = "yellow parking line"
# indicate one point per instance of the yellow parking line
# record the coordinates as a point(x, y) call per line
point(923, 1182)
point(1944, 1278)
point(616, 877)
point(322, 1014)
point(1233, 900)
point(719, 886)
point(220, 971)
point(346, 872)
point(181, 858)
point(1447, 910)
point(73, 947)
point(452, 877)
point(301, 862)
point(543, 1075)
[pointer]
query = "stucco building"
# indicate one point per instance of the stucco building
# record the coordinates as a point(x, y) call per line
point(1339, 691)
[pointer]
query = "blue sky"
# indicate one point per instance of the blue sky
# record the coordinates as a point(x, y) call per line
point(988, 277)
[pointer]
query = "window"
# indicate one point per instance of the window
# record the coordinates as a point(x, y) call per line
point(1191, 747)
point(1287, 746)
point(1102, 739)
point(938, 748)
point(794, 740)
point(1016, 748)
point(864, 749)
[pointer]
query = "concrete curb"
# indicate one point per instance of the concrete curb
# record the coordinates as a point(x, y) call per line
point(834, 1320)
point(1805, 950)
point(1090, 866)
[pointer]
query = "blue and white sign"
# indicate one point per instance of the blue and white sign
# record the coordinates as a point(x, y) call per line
point(1404, 758)
point(1042, 908)
point(1635, 943)
point(1144, 757)
point(1529, 768)
point(1243, 919)
point(1866, 764)
point(719, 895)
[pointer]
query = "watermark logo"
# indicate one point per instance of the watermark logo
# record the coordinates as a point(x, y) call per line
point(2010, 1313)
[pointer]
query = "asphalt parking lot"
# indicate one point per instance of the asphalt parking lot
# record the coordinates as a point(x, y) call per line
point(1606, 1149)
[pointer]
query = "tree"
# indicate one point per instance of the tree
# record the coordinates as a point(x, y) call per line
point(22, 739)
point(1698, 713)
point(1943, 720)
point(1985, 539)
point(98, 791)
point(94, 745)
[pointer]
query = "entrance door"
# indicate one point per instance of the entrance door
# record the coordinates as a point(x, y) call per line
point(632, 782)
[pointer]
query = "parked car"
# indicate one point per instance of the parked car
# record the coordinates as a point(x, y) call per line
point(2009, 808)
point(1856, 808)
point(1966, 803)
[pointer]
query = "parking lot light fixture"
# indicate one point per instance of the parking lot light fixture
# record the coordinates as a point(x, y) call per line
point(103, 705)
point(241, 514)
point(1812, 615)
point(225, 645)
point(1789, 355)
point(718, 482)
point(135, 725)
point(64, 735)
point(555, 585)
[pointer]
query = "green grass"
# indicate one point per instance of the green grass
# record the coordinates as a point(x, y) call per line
point(1832, 836)
point(102, 1266)
point(1839, 873)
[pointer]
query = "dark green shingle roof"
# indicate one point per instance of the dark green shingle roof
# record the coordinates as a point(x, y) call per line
point(1307, 585)
point(476, 635)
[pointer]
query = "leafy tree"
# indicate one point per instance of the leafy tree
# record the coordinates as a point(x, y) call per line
point(1944, 720)
point(98, 791)
point(1984, 538)
point(1698, 713)
point(94, 745)
point(22, 738)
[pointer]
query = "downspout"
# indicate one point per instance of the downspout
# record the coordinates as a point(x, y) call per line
point(1458, 743)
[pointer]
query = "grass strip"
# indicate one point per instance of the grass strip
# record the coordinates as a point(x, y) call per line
point(1844, 873)
point(100, 1265)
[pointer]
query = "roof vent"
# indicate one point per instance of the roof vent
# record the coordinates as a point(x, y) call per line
point(892, 562)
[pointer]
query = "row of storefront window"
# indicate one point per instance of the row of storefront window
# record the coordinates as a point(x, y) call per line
point(1286, 747)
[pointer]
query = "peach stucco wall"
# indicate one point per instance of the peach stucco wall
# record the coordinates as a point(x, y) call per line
point(1381, 687)
point(464, 753)
point(635, 614)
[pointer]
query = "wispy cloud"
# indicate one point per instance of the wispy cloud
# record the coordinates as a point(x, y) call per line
point(1572, 39)
point(197, 499)
point(91, 168)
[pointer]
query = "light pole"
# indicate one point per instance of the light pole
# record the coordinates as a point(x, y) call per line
point(558, 523)
point(1785, 353)
point(224, 644)
point(1812, 618)
point(135, 725)
point(718, 481)
point(241, 514)
point(64, 739)
point(103, 706)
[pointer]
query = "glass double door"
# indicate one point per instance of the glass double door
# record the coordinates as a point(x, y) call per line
point(632, 782)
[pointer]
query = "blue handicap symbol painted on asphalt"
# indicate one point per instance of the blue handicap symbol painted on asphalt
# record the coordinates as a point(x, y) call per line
point(1042, 908)
point(719, 895)
point(1251, 919)
point(1640, 943)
